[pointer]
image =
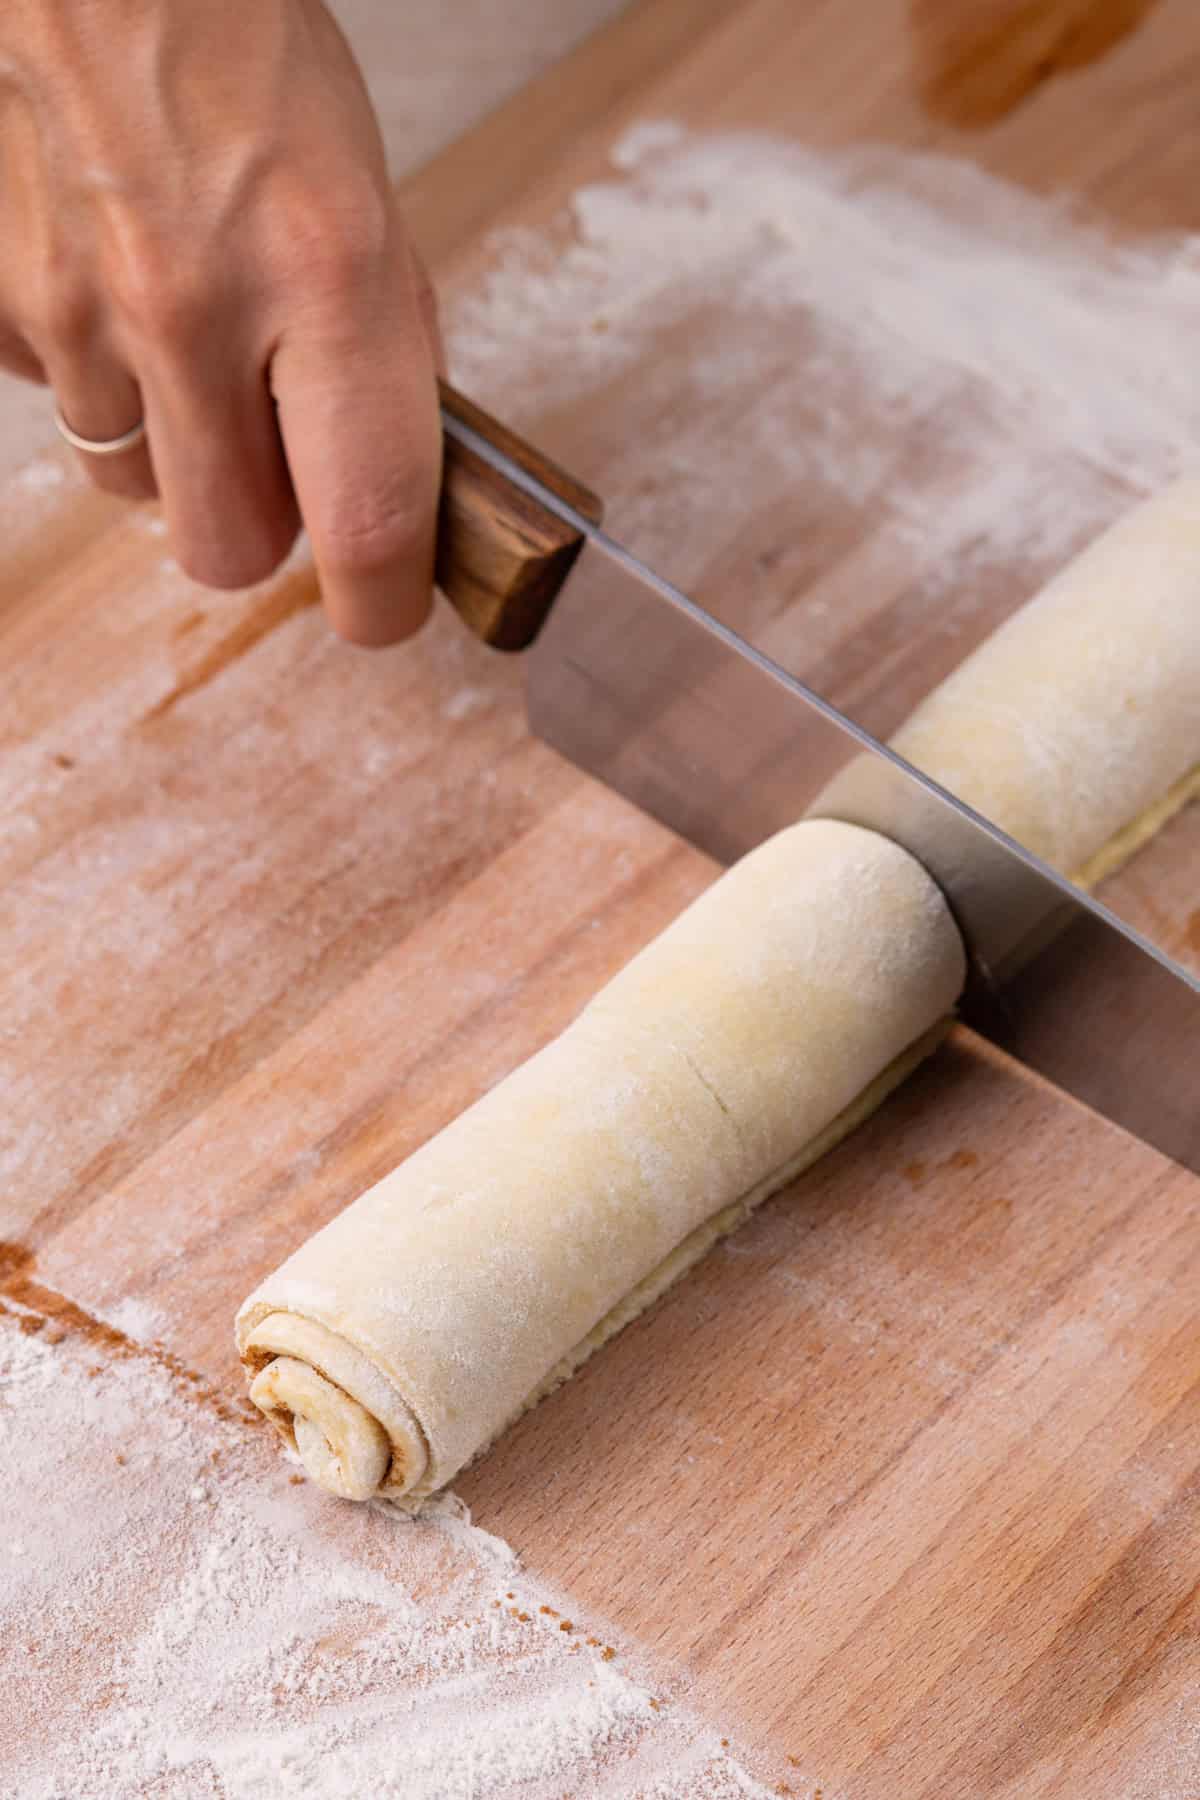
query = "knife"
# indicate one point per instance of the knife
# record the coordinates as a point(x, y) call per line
point(641, 687)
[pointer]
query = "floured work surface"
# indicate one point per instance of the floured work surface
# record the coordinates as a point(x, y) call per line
point(902, 1476)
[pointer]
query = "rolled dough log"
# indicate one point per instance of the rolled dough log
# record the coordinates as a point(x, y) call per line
point(739, 1046)
point(756, 1031)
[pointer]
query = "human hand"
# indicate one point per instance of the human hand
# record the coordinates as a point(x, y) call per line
point(198, 230)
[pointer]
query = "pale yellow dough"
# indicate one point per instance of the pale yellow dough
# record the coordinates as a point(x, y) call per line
point(1076, 726)
point(758, 1030)
point(489, 1264)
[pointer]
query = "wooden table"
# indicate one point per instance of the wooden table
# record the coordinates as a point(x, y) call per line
point(906, 1473)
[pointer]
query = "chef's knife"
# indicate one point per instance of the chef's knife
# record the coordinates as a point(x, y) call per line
point(643, 688)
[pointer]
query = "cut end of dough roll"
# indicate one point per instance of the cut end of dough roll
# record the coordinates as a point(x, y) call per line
point(1076, 726)
point(351, 1430)
point(343, 1448)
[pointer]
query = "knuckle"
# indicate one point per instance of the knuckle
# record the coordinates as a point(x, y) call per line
point(342, 264)
point(160, 299)
point(69, 315)
point(173, 312)
point(336, 242)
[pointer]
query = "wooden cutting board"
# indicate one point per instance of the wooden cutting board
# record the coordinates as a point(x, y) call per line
point(906, 1473)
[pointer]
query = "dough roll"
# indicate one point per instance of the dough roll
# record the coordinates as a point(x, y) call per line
point(1076, 726)
point(770, 1017)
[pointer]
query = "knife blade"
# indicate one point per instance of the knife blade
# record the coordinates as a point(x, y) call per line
point(643, 688)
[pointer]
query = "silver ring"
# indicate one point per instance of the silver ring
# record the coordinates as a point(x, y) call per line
point(100, 446)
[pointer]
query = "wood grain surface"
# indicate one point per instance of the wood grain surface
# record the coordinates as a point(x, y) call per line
point(906, 1474)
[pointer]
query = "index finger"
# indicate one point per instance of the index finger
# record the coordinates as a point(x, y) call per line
point(359, 418)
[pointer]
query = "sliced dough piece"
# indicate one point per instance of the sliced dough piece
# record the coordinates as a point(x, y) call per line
point(771, 1016)
point(1076, 726)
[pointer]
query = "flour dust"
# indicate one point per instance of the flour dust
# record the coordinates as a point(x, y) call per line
point(181, 1615)
point(866, 395)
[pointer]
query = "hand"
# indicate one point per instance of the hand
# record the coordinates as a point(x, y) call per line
point(198, 230)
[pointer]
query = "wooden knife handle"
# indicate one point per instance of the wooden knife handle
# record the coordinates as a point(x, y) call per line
point(502, 555)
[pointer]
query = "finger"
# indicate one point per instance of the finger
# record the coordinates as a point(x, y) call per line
point(359, 416)
point(99, 399)
point(228, 503)
point(18, 359)
point(428, 302)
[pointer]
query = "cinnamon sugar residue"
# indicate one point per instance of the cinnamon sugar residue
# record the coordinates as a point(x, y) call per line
point(919, 1172)
point(37, 1308)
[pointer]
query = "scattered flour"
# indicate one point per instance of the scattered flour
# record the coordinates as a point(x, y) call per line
point(180, 1617)
point(466, 702)
point(743, 342)
point(42, 476)
point(26, 429)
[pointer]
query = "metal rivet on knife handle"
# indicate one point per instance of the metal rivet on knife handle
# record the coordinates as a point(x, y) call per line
point(503, 555)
